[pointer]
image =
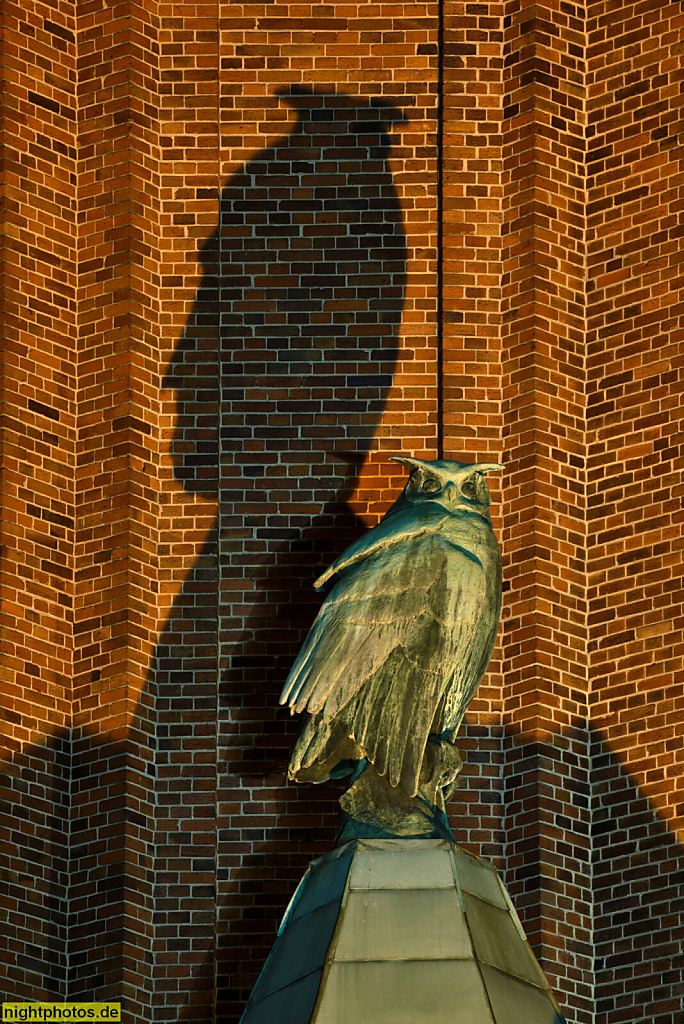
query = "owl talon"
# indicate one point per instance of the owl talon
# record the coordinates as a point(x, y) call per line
point(442, 766)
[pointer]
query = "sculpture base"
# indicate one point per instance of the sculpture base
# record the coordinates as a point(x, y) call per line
point(372, 809)
point(401, 931)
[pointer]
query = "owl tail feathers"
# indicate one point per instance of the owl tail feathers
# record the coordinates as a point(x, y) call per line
point(320, 748)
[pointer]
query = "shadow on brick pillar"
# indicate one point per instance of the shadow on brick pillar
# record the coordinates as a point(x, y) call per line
point(584, 841)
point(637, 874)
point(548, 870)
point(319, 340)
point(637, 866)
point(173, 735)
point(34, 819)
point(308, 347)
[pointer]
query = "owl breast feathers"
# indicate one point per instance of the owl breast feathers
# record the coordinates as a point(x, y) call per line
point(404, 636)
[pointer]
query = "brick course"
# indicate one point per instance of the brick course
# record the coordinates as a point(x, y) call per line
point(223, 310)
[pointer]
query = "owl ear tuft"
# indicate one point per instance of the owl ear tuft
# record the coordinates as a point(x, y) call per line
point(406, 460)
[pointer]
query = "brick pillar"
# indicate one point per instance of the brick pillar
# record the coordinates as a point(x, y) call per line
point(635, 384)
point(117, 483)
point(547, 781)
point(37, 381)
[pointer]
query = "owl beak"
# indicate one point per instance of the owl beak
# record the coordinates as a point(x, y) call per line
point(450, 493)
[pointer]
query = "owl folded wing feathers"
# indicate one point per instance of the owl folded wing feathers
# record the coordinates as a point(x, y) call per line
point(298, 691)
point(378, 657)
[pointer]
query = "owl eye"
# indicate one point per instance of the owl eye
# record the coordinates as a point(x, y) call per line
point(430, 486)
point(469, 490)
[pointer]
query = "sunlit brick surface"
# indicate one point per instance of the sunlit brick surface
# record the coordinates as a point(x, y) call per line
point(38, 353)
point(221, 314)
point(543, 327)
point(635, 368)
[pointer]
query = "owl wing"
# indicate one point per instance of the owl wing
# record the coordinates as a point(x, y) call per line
point(388, 537)
point(388, 643)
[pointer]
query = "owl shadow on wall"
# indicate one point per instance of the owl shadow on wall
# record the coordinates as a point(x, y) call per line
point(280, 379)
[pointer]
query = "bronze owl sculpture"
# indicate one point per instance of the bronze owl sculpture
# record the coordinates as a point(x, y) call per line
point(401, 643)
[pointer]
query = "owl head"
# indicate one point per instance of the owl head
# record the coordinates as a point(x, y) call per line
point(455, 485)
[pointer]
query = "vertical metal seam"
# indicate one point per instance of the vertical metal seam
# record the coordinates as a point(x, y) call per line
point(219, 463)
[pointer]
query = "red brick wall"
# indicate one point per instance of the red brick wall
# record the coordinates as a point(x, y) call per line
point(635, 384)
point(37, 486)
point(223, 310)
